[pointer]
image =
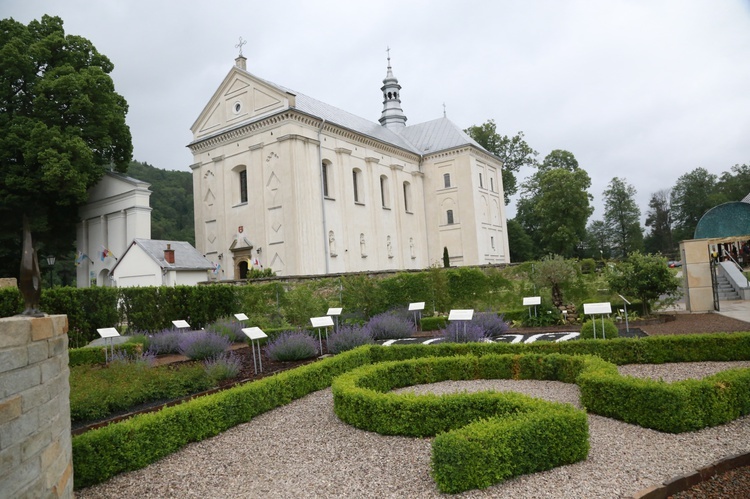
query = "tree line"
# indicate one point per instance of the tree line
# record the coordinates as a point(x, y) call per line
point(554, 207)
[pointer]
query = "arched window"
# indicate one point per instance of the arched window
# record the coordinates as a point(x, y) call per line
point(449, 215)
point(446, 180)
point(407, 197)
point(384, 194)
point(357, 185)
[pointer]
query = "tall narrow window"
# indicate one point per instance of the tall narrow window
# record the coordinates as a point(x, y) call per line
point(407, 197)
point(357, 186)
point(324, 173)
point(384, 194)
point(481, 184)
point(449, 214)
point(492, 242)
point(243, 186)
point(492, 184)
point(447, 180)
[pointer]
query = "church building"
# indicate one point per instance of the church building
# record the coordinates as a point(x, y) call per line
point(282, 180)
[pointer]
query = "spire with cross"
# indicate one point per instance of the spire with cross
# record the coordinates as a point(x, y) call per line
point(239, 45)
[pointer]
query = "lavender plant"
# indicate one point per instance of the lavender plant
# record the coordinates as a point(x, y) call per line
point(389, 326)
point(492, 323)
point(145, 359)
point(292, 345)
point(223, 366)
point(164, 342)
point(463, 332)
point(347, 338)
point(229, 328)
point(200, 345)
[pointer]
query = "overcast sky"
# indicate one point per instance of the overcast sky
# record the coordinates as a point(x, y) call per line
point(645, 90)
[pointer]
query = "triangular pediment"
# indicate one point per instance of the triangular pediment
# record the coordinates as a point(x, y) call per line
point(241, 97)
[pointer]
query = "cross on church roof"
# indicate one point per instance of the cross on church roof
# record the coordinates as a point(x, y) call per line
point(239, 45)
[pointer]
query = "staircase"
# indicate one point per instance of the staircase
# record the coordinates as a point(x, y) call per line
point(725, 289)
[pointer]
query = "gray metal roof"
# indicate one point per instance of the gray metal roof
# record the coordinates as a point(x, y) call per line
point(423, 138)
point(437, 135)
point(185, 256)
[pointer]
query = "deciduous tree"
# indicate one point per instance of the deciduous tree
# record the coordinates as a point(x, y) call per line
point(646, 277)
point(62, 126)
point(555, 205)
point(691, 197)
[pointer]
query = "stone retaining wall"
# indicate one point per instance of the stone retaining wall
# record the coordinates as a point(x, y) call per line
point(35, 442)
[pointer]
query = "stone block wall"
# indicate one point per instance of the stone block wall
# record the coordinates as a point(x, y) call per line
point(35, 442)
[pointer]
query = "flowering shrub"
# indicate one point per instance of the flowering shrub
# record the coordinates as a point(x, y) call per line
point(347, 338)
point(223, 366)
point(491, 323)
point(389, 326)
point(229, 328)
point(463, 332)
point(164, 342)
point(145, 359)
point(200, 345)
point(292, 345)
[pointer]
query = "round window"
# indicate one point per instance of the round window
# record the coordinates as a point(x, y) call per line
point(237, 107)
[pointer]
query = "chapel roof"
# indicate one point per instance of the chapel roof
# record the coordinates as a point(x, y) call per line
point(186, 257)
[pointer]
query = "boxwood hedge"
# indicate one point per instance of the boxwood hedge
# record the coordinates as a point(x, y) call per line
point(676, 407)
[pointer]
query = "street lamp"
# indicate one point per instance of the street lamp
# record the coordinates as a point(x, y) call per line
point(51, 262)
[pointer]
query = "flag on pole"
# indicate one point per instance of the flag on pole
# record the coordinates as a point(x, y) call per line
point(80, 257)
point(106, 253)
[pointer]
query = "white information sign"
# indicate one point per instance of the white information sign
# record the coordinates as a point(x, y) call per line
point(254, 333)
point(181, 324)
point(107, 332)
point(597, 308)
point(532, 300)
point(334, 311)
point(240, 317)
point(416, 306)
point(461, 315)
point(321, 321)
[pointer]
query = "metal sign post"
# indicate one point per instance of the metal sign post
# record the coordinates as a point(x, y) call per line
point(107, 333)
point(530, 301)
point(602, 309)
point(335, 312)
point(461, 315)
point(417, 308)
point(625, 305)
point(322, 322)
point(255, 335)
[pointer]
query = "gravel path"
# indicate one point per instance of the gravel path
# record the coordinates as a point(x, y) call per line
point(303, 450)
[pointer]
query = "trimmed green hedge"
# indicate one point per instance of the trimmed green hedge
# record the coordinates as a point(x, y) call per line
point(433, 323)
point(134, 443)
point(97, 355)
point(522, 434)
point(141, 440)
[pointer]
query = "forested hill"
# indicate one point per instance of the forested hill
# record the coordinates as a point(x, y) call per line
point(171, 201)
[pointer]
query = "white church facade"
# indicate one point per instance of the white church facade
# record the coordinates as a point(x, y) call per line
point(288, 182)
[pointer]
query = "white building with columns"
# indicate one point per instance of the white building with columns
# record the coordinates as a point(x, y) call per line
point(288, 182)
point(117, 211)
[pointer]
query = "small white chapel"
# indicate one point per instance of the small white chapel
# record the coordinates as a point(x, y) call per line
point(284, 181)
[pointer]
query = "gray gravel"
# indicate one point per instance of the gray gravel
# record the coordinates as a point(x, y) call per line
point(303, 450)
